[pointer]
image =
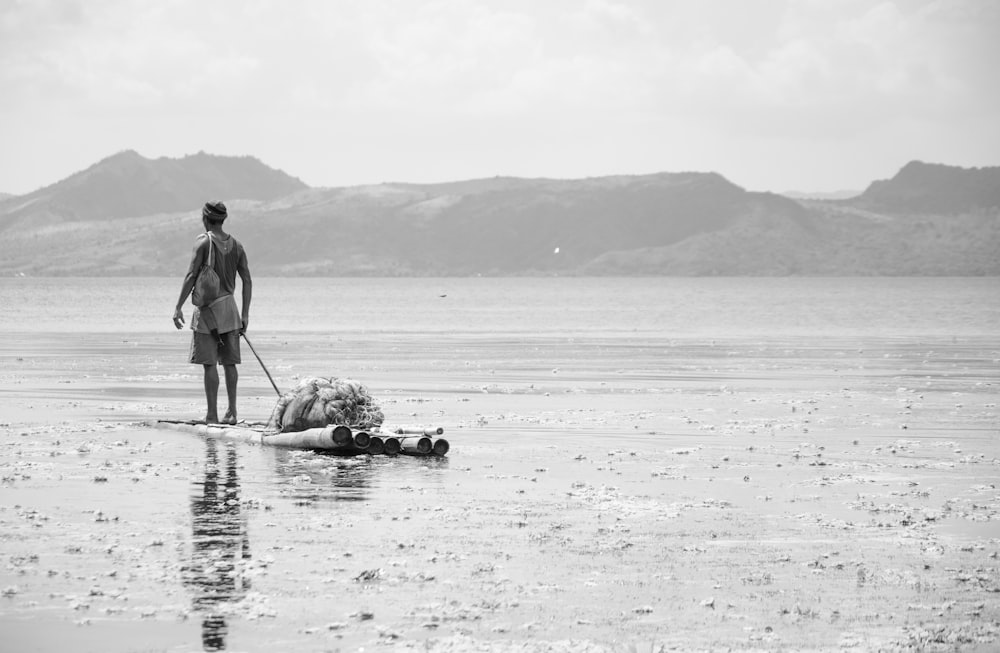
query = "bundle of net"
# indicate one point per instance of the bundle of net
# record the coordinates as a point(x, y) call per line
point(318, 402)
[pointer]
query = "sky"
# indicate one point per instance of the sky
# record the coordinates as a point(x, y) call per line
point(779, 95)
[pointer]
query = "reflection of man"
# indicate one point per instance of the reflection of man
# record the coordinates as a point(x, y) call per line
point(220, 545)
point(217, 327)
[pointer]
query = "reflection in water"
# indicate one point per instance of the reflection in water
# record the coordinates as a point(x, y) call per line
point(314, 476)
point(220, 545)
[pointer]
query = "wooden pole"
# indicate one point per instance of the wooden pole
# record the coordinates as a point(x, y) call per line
point(273, 384)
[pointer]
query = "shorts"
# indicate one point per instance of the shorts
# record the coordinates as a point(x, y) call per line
point(205, 349)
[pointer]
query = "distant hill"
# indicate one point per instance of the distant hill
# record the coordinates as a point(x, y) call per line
point(931, 188)
point(130, 185)
point(689, 223)
point(821, 195)
point(501, 226)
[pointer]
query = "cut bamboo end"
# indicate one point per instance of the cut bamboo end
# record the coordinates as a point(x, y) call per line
point(440, 447)
point(362, 440)
point(376, 445)
point(342, 435)
point(419, 445)
point(392, 445)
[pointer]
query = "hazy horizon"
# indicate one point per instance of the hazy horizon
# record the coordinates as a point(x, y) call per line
point(813, 97)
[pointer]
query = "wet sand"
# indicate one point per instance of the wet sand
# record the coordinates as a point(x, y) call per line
point(603, 492)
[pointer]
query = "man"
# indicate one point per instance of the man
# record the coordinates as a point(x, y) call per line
point(221, 316)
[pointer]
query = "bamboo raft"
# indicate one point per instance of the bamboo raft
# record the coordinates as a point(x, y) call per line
point(335, 439)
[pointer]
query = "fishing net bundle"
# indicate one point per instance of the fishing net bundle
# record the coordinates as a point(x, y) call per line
point(317, 402)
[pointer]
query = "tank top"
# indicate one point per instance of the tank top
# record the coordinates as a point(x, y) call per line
point(227, 261)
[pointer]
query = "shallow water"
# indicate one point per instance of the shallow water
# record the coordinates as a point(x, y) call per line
point(695, 464)
point(665, 307)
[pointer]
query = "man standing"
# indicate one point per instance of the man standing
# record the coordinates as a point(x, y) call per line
point(221, 316)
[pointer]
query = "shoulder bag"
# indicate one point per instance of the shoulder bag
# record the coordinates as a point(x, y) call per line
point(206, 286)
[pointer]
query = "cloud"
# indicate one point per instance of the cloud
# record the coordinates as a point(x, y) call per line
point(638, 83)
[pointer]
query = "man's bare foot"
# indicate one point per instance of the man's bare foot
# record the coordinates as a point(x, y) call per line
point(211, 419)
point(230, 417)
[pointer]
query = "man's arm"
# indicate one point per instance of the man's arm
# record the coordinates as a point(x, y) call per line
point(243, 269)
point(189, 279)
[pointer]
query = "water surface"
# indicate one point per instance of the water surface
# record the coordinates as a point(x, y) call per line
point(696, 463)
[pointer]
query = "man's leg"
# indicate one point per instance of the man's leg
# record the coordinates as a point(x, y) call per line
point(232, 378)
point(212, 393)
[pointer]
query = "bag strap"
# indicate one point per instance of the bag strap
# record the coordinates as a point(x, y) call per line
point(211, 250)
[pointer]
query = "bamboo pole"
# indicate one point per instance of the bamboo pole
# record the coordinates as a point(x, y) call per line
point(420, 445)
point(392, 446)
point(342, 435)
point(217, 431)
point(440, 447)
point(334, 438)
point(430, 432)
point(308, 439)
point(376, 446)
point(362, 440)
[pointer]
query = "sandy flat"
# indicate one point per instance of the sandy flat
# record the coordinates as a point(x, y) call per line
point(601, 493)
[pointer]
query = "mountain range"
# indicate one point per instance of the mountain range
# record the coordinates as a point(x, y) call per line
point(129, 215)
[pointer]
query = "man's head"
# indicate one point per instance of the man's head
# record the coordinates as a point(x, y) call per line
point(214, 213)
